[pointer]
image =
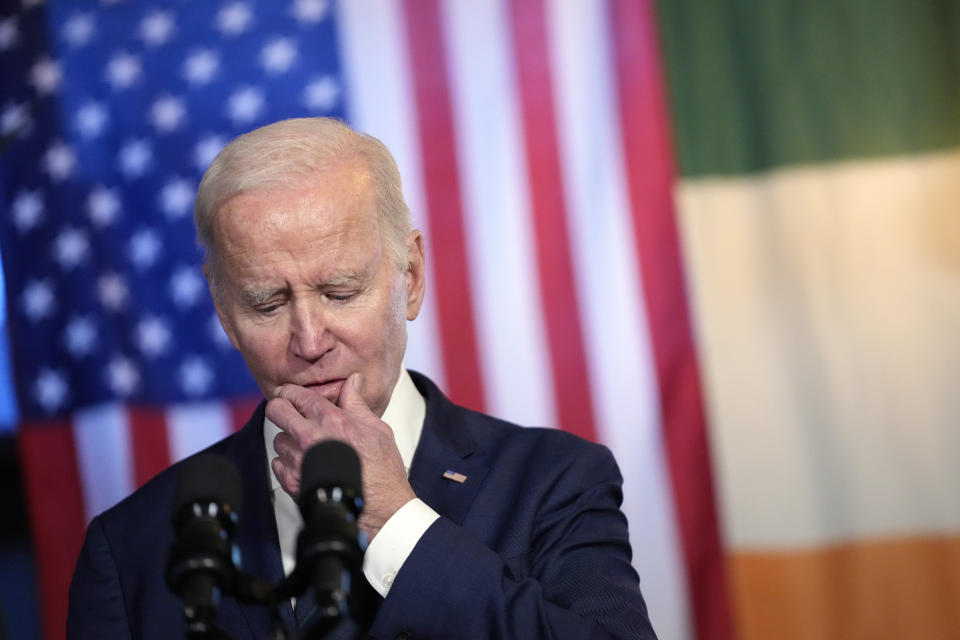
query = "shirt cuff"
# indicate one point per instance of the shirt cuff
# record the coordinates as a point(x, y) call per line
point(396, 539)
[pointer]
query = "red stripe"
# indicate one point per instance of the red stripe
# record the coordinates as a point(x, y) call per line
point(55, 501)
point(441, 175)
point(148, 440)
point(241, 409)
point(649, 163)
point(549, 209)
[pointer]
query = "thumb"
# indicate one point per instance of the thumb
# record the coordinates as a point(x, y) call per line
point(350, 399)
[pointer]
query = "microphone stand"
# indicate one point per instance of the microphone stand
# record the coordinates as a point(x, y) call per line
point(250, 589)
point(326, 617)
point(254, 590)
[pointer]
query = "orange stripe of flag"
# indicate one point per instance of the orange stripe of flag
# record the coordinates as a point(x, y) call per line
point(869, 590)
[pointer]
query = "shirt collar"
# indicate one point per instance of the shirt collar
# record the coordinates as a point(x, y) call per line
point(405, 414)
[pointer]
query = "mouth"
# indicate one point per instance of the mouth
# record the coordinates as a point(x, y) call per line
point(330, 389)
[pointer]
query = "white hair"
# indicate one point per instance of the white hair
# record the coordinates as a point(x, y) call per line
point(290, 153)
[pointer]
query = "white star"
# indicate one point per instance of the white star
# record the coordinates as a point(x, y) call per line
point(176, 197)
point(195, 376)
point(103, 205)
point(206, 150)
point(201, 66)
point(59, 161)
point(27, 210)
point(122, 375)
point(245, 105)
point(309, 10)
point(70, 248)
point(91, 118)
point(216, 331)
point(144, 248)
point(9, 34)
point(14, 117)
point(112, 291)
point(45, 76)
point(50, 390)
point(80, 336)
point(38, 300)
point(78, 30)
point(157, 28)
point(234, 19)
point(278, 56)
point(167, 114)
point(321, 94)
point(136, 156)
point(153, 336)
point(123, 70)
point(186, 286)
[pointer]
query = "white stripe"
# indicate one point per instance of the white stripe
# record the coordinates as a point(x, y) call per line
point(500, 241)
point(102, 438)
point(623, 382)
point(828, 310)
point(194, 427)
point(379, 99)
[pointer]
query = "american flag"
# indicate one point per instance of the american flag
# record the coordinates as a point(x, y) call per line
point(533, 140)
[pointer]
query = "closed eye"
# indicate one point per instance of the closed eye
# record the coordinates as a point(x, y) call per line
point(268, 309)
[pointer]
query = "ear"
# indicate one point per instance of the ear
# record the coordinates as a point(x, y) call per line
point(414, 276)
point(218, 305)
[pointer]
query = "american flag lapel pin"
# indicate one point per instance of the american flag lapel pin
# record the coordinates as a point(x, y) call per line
point(450, 474)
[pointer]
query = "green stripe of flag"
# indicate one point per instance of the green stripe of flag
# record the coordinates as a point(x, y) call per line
point(757, 84)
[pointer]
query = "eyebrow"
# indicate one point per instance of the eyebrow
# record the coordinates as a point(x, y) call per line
point(339, 281)
point(258, 295)
point(255, 296)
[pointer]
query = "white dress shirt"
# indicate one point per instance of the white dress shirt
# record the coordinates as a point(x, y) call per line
point(387, 552)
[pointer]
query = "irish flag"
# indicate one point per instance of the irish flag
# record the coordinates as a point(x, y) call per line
point(818, 148)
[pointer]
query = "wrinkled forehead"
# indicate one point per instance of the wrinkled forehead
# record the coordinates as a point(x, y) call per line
point(341, 194)
point(316, 231)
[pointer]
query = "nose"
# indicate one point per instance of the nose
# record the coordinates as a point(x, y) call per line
point(309, 334)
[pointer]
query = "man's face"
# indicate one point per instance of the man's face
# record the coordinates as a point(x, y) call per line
point(308, 291)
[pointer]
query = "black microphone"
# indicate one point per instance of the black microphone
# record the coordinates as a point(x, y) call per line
point(328, 547)
point(202, 563)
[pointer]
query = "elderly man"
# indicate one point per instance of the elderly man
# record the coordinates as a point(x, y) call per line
point(477, 528)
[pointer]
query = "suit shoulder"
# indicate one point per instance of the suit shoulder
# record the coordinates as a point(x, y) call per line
point(546, 443)
point(492, 431)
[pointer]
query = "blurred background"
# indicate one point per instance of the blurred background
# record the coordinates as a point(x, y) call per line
point(721, 238)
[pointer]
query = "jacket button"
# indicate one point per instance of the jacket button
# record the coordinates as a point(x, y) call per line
point(403, 635)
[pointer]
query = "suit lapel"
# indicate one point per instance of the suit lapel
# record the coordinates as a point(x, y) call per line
point(446, 445)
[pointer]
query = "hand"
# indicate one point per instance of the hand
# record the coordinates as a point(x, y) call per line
point(306, 417)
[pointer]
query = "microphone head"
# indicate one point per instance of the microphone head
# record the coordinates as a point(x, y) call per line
point(327, 465)
point(202, 562)
point(208, 478)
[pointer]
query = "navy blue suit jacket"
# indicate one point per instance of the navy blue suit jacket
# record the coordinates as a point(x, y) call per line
point(531, 545)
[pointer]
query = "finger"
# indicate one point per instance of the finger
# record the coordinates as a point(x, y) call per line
point(288, 450)
point(286, 476)
point(285, 415)
point(350, 399)
point(310, 403)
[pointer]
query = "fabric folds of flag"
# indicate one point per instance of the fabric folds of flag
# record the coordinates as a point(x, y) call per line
point(535, 147)
point(819, 146)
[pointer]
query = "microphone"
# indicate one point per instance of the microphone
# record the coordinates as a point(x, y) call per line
point(328, 547)
point(202, 563)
